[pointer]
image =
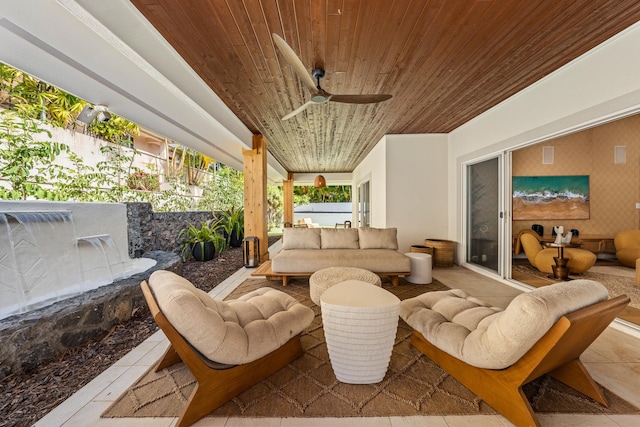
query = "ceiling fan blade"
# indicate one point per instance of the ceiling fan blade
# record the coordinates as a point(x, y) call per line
point(360, 99)
point(298, 110)
point(293, 60)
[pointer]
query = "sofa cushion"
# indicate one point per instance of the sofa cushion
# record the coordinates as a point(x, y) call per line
point(339, 238)
point(310, 261)
point(230, 332)
point(378, 238)
point(488, 337)
point(301, 238)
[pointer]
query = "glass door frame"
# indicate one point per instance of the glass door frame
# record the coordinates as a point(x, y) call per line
point(504, 212)
point(364, 203)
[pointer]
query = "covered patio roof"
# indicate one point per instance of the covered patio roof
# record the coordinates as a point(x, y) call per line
point(210, 76)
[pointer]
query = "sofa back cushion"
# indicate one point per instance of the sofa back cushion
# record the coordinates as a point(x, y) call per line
point(339, 238)
point(301, 238)
point(378, 238)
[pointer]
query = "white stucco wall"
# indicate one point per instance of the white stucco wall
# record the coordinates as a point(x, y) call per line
point(601, 85)
point(408, 188)
point(373, 169)
point(416, 187)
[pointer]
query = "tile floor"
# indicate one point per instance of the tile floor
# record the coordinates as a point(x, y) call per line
point(613, 360)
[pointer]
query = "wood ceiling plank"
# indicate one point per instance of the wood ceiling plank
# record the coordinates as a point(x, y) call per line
point(444, 62)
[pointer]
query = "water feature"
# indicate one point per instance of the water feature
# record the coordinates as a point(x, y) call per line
point(53, 250)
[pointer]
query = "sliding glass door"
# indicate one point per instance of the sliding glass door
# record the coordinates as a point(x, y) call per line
point(364, 204)
point(484, 214)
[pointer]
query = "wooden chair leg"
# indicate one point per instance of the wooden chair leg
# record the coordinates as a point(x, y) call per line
point(216, 387)
point(576, 376)
point(511, 403)
point(502, 392)
point(170, 357)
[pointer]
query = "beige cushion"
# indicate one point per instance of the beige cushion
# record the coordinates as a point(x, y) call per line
point(323, 279)
point(378, 238)
point(309, 260)
point(230, 332)
point(339, 238)
point(487, 337)
point(301, 238)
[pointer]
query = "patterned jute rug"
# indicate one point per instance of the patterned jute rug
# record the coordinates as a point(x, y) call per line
point(308, 387)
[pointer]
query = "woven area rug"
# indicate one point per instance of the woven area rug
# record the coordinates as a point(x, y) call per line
point(308, 387)
point(617, 280)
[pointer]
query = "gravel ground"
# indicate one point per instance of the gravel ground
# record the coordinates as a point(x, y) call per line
point(26, 398)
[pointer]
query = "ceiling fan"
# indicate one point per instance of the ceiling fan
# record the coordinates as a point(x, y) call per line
point(318, 95)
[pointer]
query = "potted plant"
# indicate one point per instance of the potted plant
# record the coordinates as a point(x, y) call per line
point(202, 242)
point(232, 222)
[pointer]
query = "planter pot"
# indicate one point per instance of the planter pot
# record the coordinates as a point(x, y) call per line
point(206, 255)
point(235, 241)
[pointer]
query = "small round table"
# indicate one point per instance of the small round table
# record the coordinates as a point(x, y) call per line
point(360, 322)
point(420, 268)
point(561, 270)
point(323, 279)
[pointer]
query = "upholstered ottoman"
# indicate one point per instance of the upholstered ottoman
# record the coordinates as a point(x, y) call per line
point(360, 322)
point(323, 279)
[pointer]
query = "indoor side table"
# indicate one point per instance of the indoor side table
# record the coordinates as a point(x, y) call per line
point(360, 321)
point(561, 270)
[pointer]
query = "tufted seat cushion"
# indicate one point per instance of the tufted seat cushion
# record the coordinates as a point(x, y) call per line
point(230, 332)
point(489, 337)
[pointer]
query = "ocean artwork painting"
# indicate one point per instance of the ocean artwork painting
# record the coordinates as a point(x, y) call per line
point(550, 197)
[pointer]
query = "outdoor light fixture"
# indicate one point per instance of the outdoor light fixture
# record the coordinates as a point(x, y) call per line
point(103, 116)
point(319, 182)
point(89, 113)
point(251, 251)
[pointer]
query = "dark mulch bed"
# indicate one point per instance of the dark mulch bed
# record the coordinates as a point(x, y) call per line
point(26, 398)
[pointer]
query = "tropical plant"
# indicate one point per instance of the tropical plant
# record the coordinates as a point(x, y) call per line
point(194, 237)
point(141, 180)
point(232, 222)
point(275, 206)
point(331, 193)
point(39, 100)
point(26, 163)
point(224, 191)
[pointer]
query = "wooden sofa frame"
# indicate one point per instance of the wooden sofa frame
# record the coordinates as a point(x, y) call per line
point(557, 353)
point(216, 383)
point(265, 270)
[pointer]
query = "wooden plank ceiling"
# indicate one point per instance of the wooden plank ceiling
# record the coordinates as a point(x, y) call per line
point(444, 62)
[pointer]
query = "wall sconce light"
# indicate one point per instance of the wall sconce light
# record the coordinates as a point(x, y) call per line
point(620, 154)
point(320, 182)
point(547, 155)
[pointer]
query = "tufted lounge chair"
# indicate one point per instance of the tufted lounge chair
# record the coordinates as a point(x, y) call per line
point(494, 352)
point(227, 345)
point(580, 260)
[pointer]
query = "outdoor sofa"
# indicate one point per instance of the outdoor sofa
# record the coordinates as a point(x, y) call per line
point(307, 250)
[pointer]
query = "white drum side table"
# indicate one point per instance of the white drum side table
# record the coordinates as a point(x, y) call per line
point(420, 268)
point(360, 321)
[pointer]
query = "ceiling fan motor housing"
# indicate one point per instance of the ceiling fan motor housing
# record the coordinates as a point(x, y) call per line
point(317, 74)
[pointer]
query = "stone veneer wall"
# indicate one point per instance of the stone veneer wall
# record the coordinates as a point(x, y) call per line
point(158, 231)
